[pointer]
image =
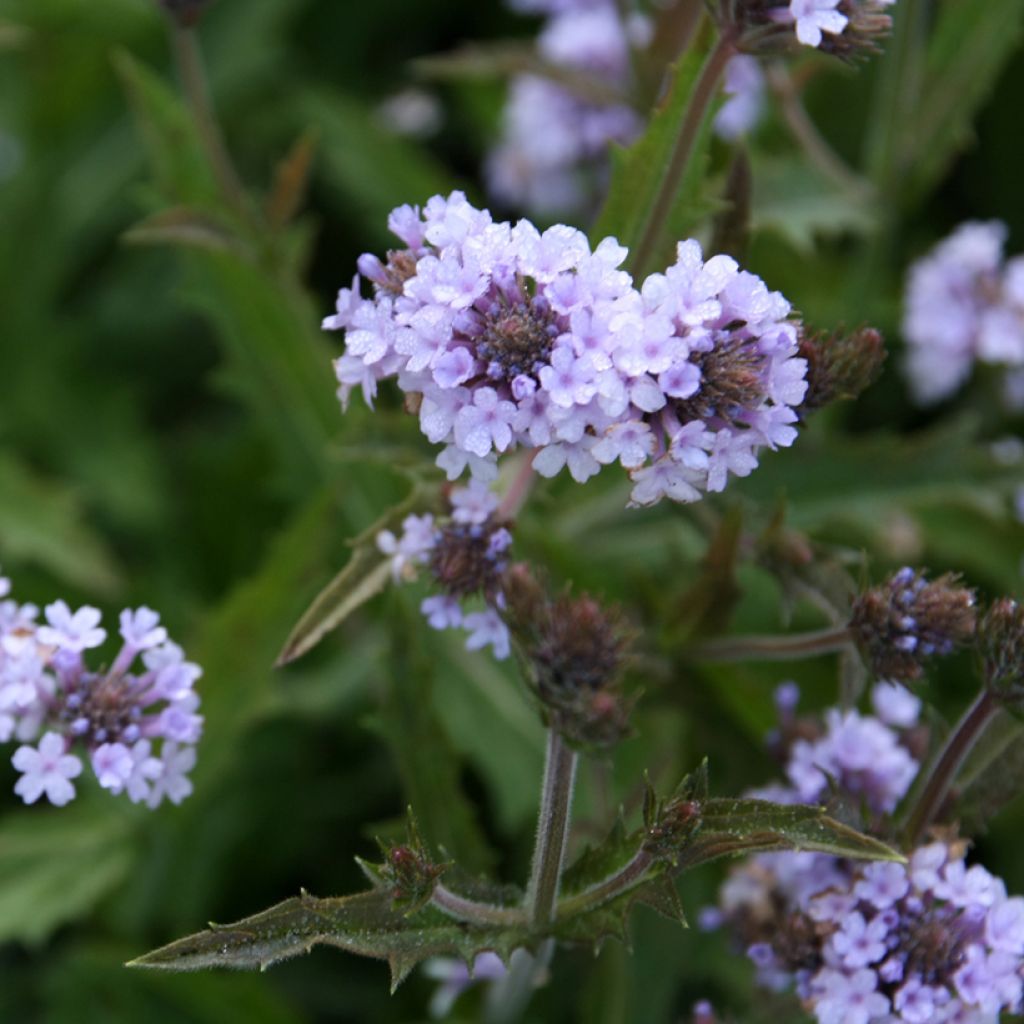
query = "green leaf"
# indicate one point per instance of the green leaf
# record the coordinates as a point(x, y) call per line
point(970, 43)
point(737, 826)
point(639, 172)
point(44, 522)
point(795, 200)
point(182, 225)
point(364, 576)
point(365, 924)
point(56, 864)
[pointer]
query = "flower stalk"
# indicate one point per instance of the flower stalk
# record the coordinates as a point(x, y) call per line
point(775, 648)
point(943, 770)
point(189, 61)
point(552, 830)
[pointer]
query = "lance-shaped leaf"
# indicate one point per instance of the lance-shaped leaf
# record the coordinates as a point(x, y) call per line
point(366, 924)
point(639, 173)
point(731, 827)
point(365, 575)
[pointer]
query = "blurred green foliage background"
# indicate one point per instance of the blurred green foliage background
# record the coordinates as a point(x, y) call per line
point(169, 436)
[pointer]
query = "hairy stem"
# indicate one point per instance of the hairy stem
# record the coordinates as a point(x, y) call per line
point(775, 648)
point(657, 215)
point(552, 831)
point(626, 878)
point(519, 490)
point(473, 912)
point(943, 770)
point(189, 60)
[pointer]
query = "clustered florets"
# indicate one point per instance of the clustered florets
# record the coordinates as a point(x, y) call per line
point(553, 148)
point(929, 941)
point(117, 715)
point(964, 304)
point(513, 337)
point(465, 554)
point(909, 619)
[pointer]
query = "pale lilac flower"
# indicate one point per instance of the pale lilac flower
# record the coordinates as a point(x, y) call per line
point(486, 629)
point(963, 305)
point(895, 704)
point(455, 977)
point(173, 782)
point(813, 17)
point(72, 632)
point(113, 765)
point(744, 86)
point(48, 769)
point(141, 628)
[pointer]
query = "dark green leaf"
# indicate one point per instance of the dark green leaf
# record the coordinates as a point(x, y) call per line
point(365, 924)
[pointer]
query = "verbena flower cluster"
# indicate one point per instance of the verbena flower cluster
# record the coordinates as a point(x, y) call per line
point(136, 725)
point(933, 940)
point(552, 152)
point(465, 555)
point(511, 337)
point(908, 619)
point(964, 304)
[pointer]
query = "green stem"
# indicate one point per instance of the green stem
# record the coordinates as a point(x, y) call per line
point(189, 60)
point(552, 831)
point(943, 771)
point(775, 648)
point(657, 216)
point(473, 912)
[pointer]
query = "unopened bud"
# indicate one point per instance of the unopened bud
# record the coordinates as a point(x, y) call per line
point(907, 620)
point(840, 365)
point(575, 652)
point(408, 870)
point(1001, 646)
point(185, 12)
point(674, 825)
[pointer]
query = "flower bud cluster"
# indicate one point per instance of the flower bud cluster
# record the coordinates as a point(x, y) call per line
point(844, 28)
point(465, 555)
point(1001, 646)
point(512, 337)
point(575, 652)
point(933, 940)
point(964, 304)
point(137, 725)
point(553, 148)
point(908, 619)
point(840, 365)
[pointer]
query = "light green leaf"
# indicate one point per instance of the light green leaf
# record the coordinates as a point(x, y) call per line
point(56, 864)
point(730, 827)
point(365, 575)
point(44, 522)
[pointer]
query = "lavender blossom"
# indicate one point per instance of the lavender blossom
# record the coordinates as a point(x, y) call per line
point(931, 940)
point(455, 977)
point(513, 337)
point(554, 141)
point(465, 555)
point(963, 305)
point(744, 88)
point(115, 717)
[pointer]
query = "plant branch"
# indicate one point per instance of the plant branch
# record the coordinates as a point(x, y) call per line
point(657, 216)
point(473, 912)
point(943, 770)
point(626, 878)
point(775, 648)
point(189, 61)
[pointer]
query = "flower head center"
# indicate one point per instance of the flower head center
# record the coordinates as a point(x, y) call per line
point(516, 338)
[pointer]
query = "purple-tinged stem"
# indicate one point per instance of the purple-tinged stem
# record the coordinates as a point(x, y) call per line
point(943, 770)
point(775, 648)
point(473, 912)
